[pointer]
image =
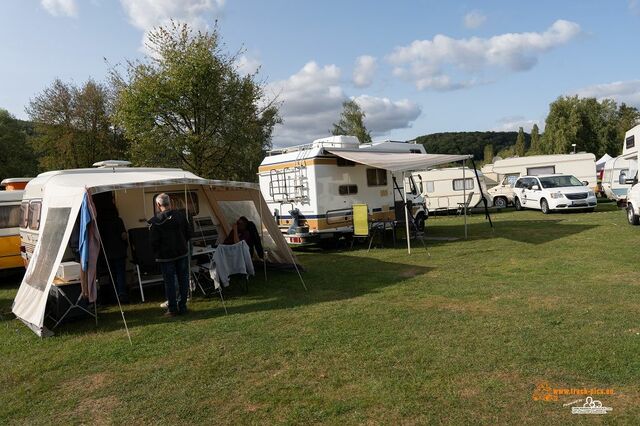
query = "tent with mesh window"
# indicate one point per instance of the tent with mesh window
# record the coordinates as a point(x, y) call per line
point(66, 200)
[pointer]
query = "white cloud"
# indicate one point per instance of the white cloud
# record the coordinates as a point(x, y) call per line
point(620, 91)
point(61, 7)
point(247, 65)
point(383, 115)
point(364, 71)
point(513, 124)
point(147, 14)
point(311, 101)
point(430, 63)
point(474, 19)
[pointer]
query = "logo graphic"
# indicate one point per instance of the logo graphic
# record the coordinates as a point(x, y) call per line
point(591, 406)
point(543, 392)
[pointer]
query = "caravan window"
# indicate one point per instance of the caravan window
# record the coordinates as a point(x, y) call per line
point(537, 171)
point(24, 215)
point(429, 186)
point(348, 189)
point(376, 177)
point(9, 216)
point(35, 209)
point(457, 184)
point(177, 202)
point(630, 142)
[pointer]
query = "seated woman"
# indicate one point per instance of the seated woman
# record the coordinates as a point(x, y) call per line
point(245, 230)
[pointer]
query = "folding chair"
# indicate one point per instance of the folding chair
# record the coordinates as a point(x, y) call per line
point(465, 206)
point(147, 269)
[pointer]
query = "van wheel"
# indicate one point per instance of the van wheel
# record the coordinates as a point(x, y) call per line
point(517, 204)
point(421, 218)
point(500, 202)
point(544, 206)
point(631, 216)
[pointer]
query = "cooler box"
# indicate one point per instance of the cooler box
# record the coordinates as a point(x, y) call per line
point(69, 271)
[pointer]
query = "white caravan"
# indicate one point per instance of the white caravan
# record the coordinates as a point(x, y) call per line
point(443, 189)
point(507, 171)
point(630, 152)
point(615, 174)
point(53, 203)
point(310, 189)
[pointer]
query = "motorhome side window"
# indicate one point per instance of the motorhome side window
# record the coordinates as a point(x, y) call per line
point(511, 179)
point(348, 189)
point(35, 209)
point(177, 202)
point(376, 177)
point(345, 163)
point(9, 216)
point(536, 171)
point(630, 141)
point(429, 186)
point(457, 184)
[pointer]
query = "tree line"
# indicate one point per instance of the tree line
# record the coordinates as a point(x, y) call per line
point(187, 105)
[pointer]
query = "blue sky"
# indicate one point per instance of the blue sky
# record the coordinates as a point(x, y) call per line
point(415, 67)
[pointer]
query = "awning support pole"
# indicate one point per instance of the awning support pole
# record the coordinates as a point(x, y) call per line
point(406, 215)
point(464, 197)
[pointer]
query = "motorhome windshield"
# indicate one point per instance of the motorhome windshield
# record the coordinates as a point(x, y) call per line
point(559, 181)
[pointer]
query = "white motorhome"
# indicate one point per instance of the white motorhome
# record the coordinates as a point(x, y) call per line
point(631, 153)
point(507, 171)
point(445, 189)
point(310, 189)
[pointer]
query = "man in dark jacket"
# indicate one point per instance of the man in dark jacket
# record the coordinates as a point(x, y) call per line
point(169, 236)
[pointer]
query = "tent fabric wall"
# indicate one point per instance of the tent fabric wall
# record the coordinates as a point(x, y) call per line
point(62, 197)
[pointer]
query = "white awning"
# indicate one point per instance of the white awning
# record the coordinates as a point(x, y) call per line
point(398, 161)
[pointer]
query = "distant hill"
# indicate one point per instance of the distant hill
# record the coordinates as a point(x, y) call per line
point(469, 142)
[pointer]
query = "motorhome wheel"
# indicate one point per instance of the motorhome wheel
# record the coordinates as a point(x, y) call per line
point(500, 202)
point(631, 216)
point(420, 220)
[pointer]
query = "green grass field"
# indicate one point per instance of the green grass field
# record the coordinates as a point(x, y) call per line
point(462, 336)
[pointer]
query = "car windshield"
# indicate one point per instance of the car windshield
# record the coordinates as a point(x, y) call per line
point(559, 181)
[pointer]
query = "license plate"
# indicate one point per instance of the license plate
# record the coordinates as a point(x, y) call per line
point(579, 203)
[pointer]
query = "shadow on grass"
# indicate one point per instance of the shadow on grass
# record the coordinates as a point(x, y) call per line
point(524, 231)
point(330, 277)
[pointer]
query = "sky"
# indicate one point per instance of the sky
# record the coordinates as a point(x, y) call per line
point(414, 67)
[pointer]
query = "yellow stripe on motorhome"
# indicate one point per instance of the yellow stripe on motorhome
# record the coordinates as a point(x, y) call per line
point(10, 252)
point(297, 163)
point(318, 225)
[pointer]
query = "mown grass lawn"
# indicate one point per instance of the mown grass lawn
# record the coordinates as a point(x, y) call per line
point(462, 336)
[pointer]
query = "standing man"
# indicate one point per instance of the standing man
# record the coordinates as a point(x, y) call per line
point(169, 236)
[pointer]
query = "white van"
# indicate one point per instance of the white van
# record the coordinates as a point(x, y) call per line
point(507, 171)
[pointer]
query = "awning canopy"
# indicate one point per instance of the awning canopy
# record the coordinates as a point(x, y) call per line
point(398, 161)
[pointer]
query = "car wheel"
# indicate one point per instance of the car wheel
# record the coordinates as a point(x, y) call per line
point(500, 202)
point(544, 206)
point(631, 216)
point(517, 204)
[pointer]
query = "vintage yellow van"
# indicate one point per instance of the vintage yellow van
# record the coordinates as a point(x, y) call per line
point(10, 217)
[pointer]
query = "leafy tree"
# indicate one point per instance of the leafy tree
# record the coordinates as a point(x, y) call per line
point(535, 140)
point(594, 126)
point(352, 122)
point(187, 105)
point(468, 142)
point(18, 158)
point(520, 148)
point(73, 126)
point(488, 153)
